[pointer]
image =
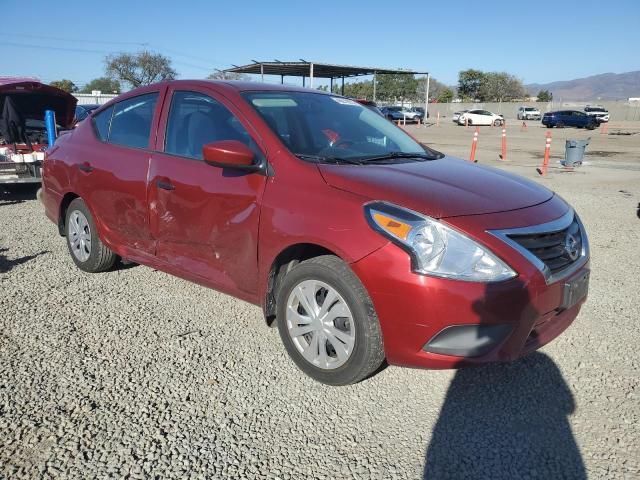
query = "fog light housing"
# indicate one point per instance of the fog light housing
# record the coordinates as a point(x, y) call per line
point(467, 340)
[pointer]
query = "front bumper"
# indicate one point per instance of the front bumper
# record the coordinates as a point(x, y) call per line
point(514, 317)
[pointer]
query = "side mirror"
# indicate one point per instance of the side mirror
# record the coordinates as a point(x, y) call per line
point(230, 154)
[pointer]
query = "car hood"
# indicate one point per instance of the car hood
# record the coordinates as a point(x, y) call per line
point(32, 98)
point(448, 187)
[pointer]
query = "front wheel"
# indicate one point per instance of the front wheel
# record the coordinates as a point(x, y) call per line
point(497, 123)
point(327, 322)
point(87, 251)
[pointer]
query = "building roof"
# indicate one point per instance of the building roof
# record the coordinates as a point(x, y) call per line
point(320, 70)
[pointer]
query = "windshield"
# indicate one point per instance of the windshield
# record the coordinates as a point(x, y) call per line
point(319, 127)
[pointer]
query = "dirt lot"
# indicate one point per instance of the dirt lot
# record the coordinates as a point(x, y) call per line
point(137, 374)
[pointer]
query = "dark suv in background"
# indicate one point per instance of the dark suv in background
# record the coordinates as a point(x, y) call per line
point(569, 118)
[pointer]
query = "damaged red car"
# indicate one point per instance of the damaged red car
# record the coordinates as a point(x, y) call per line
point(359, 243)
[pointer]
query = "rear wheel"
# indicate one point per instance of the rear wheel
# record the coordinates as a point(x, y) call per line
point(87, 251)
point(327, 322)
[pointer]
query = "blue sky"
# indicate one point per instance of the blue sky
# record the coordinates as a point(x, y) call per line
point(538, 41)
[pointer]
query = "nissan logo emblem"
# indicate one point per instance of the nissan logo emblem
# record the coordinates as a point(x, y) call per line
point(571, 246)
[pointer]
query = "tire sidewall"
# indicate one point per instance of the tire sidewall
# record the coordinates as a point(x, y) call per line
point(364, 320)
point(91, 264)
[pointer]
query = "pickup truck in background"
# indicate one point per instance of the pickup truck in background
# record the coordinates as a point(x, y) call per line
point(23, 136)
point(601, 113)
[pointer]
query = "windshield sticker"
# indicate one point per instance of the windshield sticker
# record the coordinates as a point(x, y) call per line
point(344, 101)
point(274, 102)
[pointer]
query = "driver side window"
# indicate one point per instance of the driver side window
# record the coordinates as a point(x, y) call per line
point(196, 119)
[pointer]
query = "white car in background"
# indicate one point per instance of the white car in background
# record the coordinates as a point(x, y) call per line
point(480, 117)
point(529, 113)
point(456, 115)
point(601, 113)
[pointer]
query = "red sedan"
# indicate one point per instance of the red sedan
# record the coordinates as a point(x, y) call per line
point(359, 243)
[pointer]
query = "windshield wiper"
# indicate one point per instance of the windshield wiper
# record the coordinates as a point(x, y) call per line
point(320, 158)
point(394, 155)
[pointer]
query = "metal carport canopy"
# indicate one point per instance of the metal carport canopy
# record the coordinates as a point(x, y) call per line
point(313, 69)
point(322, 70)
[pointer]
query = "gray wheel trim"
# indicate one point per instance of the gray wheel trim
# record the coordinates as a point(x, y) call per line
point(313, 331)
point(79, 235)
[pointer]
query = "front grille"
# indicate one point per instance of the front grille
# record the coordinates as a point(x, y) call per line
point(554, 249)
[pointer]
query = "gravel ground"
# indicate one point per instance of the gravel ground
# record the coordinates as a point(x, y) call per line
point(137, 374)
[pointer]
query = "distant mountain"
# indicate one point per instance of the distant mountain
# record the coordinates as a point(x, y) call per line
point(606, 86)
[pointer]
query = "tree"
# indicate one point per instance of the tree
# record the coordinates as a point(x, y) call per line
point(469, 82)
point(66, 85)
point(445, 95)
point(362, 89)
point(545, 96)
point(103, 84)
point(222, 75)
point(142, 68)
point(438, 91)
point(499, 87)
point(396, 85)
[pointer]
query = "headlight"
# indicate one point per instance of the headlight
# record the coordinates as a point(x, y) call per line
point(435, 248)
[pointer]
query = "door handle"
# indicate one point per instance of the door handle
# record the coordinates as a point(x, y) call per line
point(165, 184)
point(85, 167)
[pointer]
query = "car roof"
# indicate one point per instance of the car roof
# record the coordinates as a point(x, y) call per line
point(230, 87)
point(12, 80)
point(241, 86)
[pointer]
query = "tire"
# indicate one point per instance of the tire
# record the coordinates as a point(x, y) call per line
point(87, 251)
point(559, 125)
point(591, 126)
point(497, 123)
point(360, 338)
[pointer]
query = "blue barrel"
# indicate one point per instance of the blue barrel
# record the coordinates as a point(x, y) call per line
point(50, 125)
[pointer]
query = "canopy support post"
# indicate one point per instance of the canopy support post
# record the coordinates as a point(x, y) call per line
point(426, 99)
point(374, 85)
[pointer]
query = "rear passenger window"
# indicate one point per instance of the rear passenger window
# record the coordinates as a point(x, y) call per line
point(196, 119)
point(102, 121)
point(131, 121)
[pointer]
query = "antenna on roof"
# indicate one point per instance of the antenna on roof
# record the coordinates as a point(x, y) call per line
point(255, 61)
point(277, 60)
point(303, 60)
point(234, 65)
